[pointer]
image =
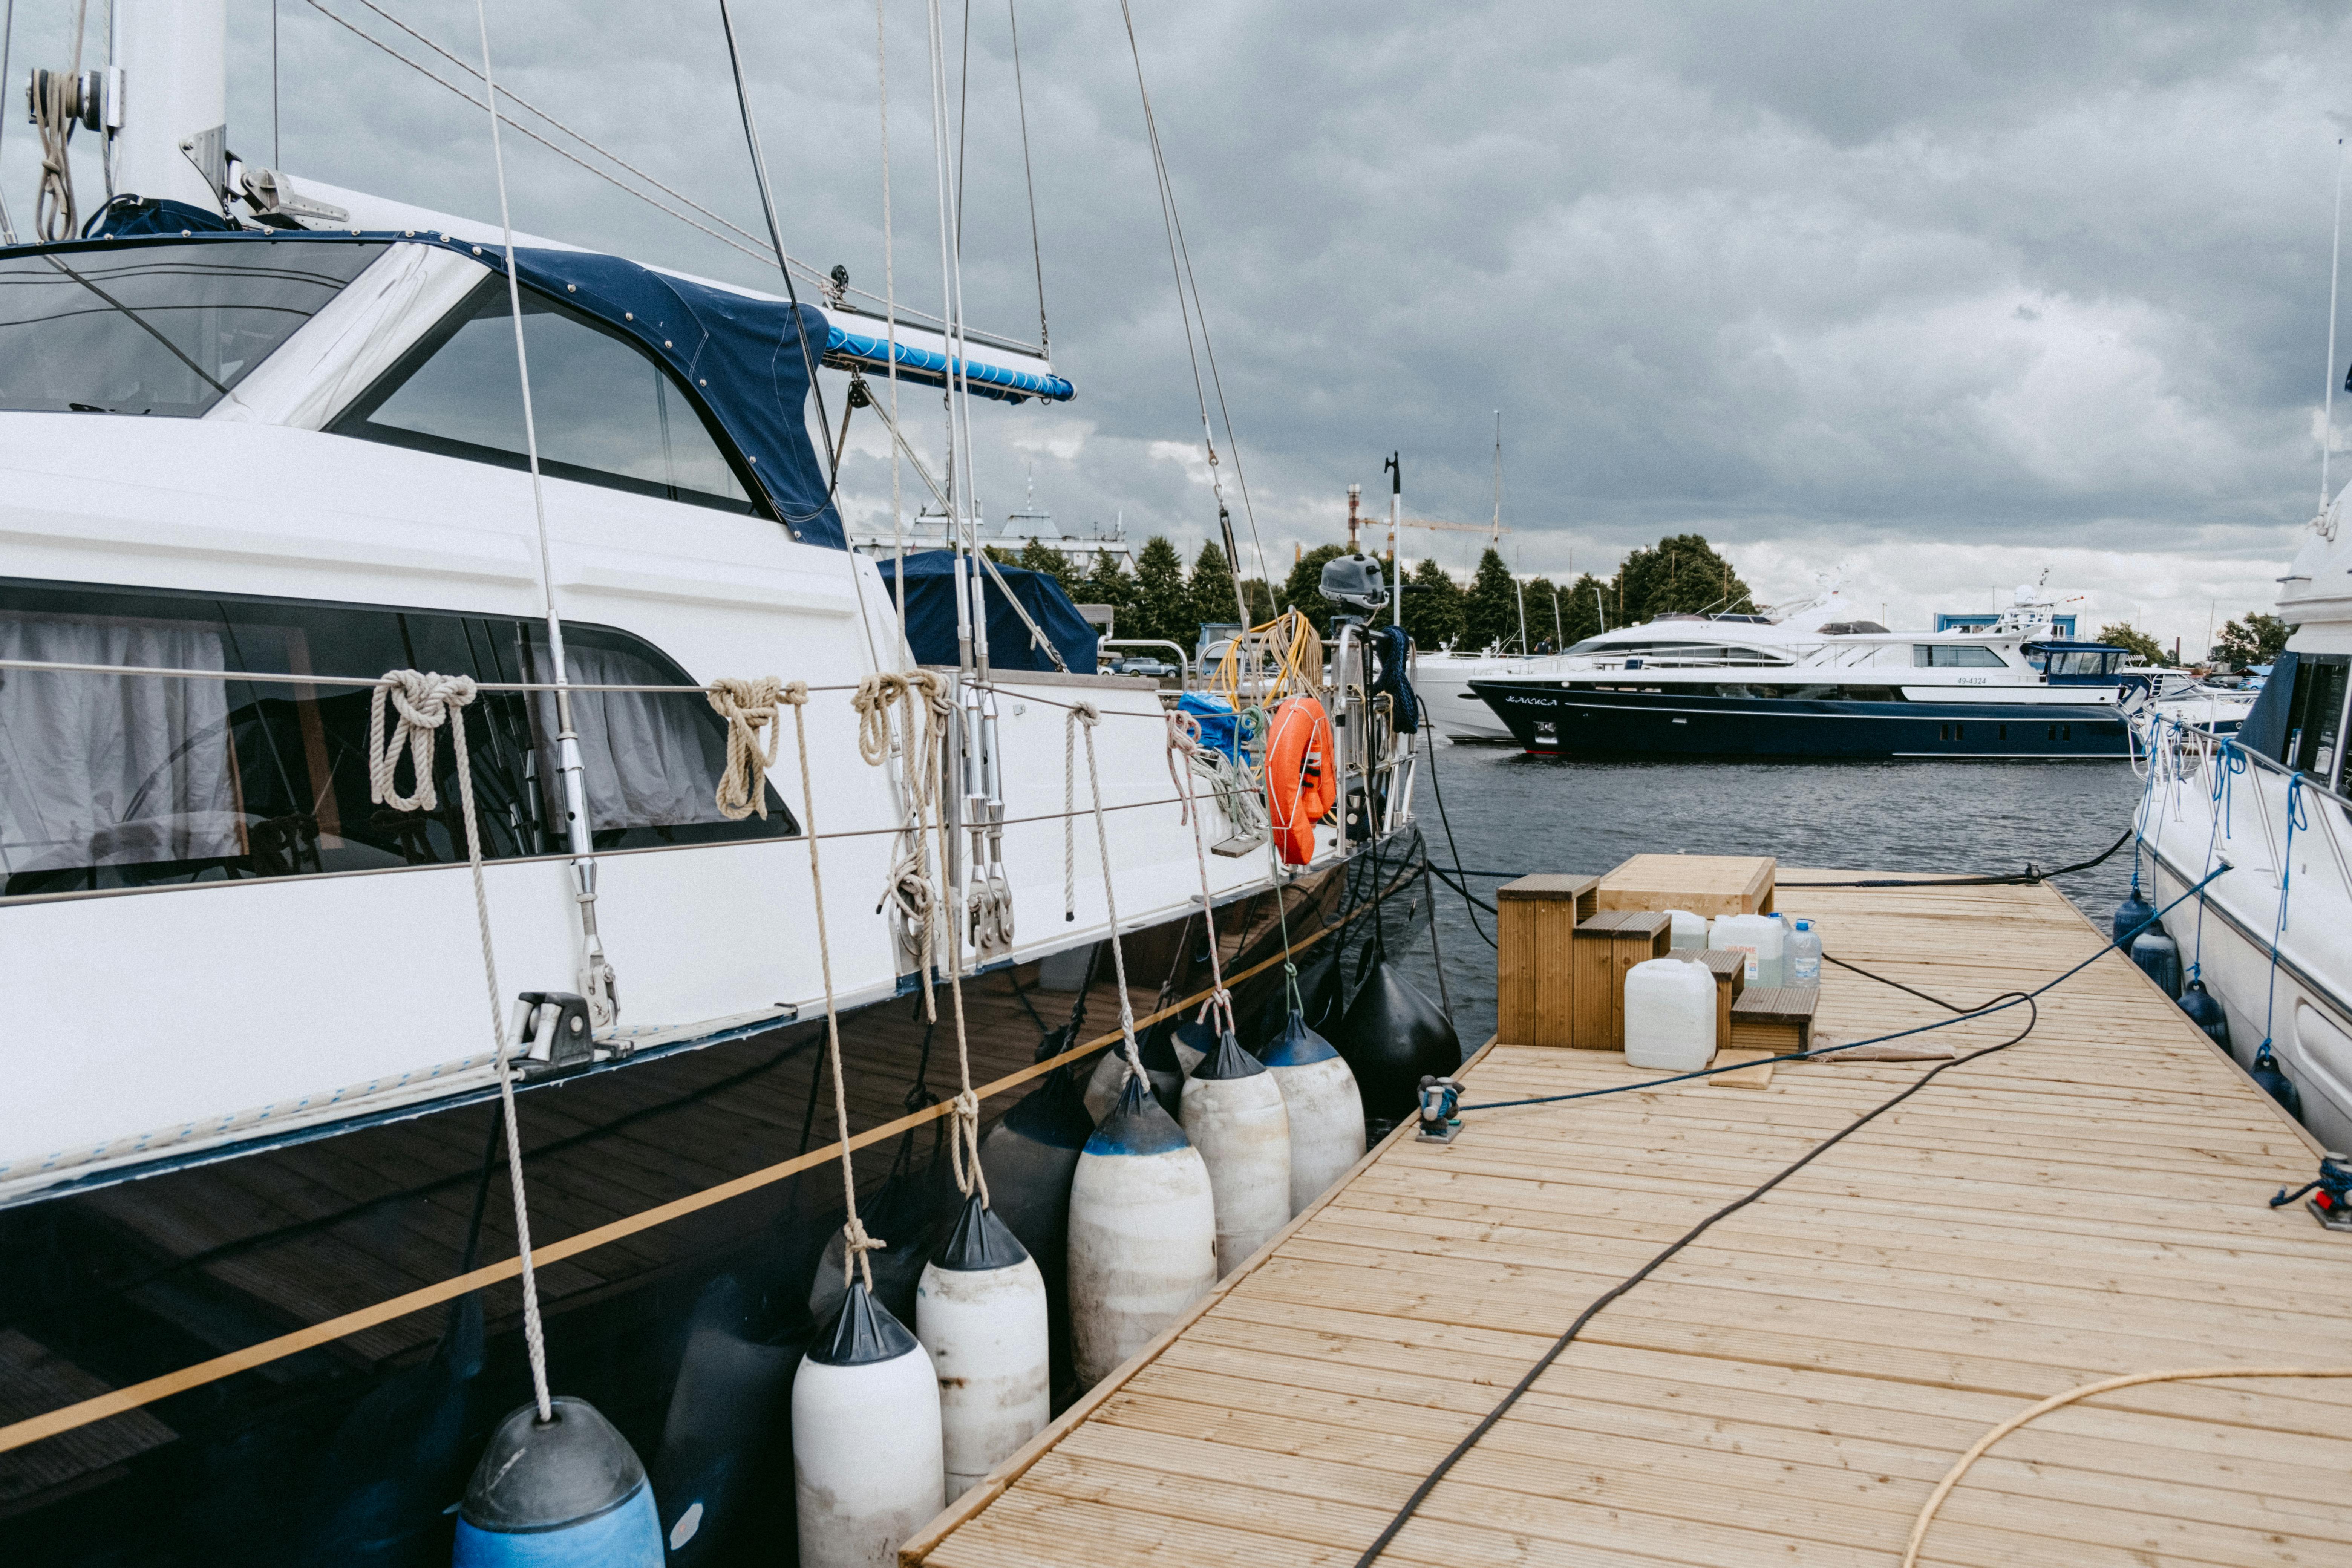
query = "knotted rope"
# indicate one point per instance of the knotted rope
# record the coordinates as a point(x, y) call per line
point(924, 703)
point(852, 1229)
point(427, 702)
point(1184, 741)
point(422, 702)
point(749, 706)
point(1083, 716)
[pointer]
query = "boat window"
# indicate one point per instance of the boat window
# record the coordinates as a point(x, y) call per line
point(606, 412)
point(156, 328)
point(2315, 714)
point(1954, 656)
point(138, 781)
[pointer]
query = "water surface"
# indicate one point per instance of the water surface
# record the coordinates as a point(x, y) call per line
point(1511, 812)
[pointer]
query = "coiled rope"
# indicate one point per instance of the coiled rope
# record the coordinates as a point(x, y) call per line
point(921, 699)
point(1083, 716)
point(424, 704)
point(853, 1230)
point(2075, 1396)
point(749, 708)
point(923, 703)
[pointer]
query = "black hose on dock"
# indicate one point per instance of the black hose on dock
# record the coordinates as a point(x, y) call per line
point(1559, 1346)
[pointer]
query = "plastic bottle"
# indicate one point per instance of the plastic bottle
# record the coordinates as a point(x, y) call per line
point(1805, 955)
point(1757, 936)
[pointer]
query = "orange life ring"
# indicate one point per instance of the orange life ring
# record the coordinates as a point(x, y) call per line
point(1299, 787)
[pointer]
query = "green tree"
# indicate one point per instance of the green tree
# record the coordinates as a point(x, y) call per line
point(1581, 604)
point(1110, 584)
point(1432, 607)
point(1490, 610)
point(1683, 574)
point(2257, 639)
point(2122, 634)
point(1162, 606)
point(1303, 589)
point(1544, 621)
point(1044, 558)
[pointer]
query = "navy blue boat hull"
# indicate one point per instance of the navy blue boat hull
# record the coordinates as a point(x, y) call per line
point(1556, 722)
point(685, 1334)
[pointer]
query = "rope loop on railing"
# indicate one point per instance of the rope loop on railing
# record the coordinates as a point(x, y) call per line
point(422, 702)
point(750, 706)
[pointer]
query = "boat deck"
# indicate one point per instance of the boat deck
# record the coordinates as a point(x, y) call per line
point(1790, 1388)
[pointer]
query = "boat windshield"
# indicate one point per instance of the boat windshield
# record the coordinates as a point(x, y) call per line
point(156, 328)
point(1675, 652)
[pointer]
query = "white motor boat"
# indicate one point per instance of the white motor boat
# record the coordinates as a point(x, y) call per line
point(2266, 807)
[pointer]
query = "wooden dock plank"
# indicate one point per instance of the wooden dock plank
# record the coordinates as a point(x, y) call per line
point(1790, 1386)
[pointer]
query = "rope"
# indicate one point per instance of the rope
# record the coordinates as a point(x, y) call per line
point(55, 217)
point(749, 706)
point(1082, 716)
point(425, 703)
point(2073, 1395)
point(853, 1230)
point(1184, 739)
point(2295, 815)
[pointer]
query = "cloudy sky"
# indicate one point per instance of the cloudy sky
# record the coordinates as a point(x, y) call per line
point(1929, 299)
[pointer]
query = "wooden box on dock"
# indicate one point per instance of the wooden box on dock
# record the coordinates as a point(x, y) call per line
point(1778, 1019)
point(1707, 884)
point(1730, 972)
point(1535, 970)
point(1607, 945)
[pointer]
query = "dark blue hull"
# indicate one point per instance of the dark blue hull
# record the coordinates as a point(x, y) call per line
point(1551, 721)
point(686, 1333)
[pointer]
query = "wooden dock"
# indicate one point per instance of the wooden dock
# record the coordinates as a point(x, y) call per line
point(1791, 1387)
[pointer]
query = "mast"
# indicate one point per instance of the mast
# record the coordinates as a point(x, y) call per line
point(173, 56)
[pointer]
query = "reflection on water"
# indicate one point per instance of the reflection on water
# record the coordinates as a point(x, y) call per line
point(1511, 812)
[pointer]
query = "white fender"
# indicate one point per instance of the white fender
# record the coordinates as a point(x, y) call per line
point(1233, 1112)
point(866, 1439)
point(980, 1313)
point(1143, 1234)
point(1326, 1110)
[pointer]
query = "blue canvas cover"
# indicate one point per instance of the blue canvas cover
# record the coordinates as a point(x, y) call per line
point(1219, 727)
point(931, 615)
point(741, 355)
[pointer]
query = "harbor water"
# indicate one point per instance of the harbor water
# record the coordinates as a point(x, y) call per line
point(1511, 812)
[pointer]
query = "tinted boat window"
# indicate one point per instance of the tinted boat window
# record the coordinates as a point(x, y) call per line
point(119, 781)
point(156, 328)
point(605, 413)
point(1950, 656)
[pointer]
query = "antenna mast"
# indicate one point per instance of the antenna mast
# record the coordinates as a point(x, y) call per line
point(1497, 535)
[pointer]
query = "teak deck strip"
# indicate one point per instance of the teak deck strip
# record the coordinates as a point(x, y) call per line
point(1792, 1386)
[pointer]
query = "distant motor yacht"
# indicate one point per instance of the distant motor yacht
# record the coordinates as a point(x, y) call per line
point(1822, 682)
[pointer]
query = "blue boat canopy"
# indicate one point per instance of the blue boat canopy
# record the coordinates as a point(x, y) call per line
point(931, 615)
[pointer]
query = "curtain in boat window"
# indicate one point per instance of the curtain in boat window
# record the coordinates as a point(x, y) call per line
point(649, 759)
point(108, 771)
point(115, 782)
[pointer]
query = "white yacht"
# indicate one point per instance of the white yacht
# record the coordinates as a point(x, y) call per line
point(1822, 682)
point(263, 443)
point(2267, 808)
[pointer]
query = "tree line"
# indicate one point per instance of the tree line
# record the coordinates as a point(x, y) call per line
point(1161, 599)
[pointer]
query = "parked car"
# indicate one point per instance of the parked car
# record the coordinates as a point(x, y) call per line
point(1144, 666)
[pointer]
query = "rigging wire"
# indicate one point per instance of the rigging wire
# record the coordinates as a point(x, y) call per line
point(775, 235)
point(746, 242)
point(2327, 381)
point(904, 653)
point(1180, 263)
point(1028, 174)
